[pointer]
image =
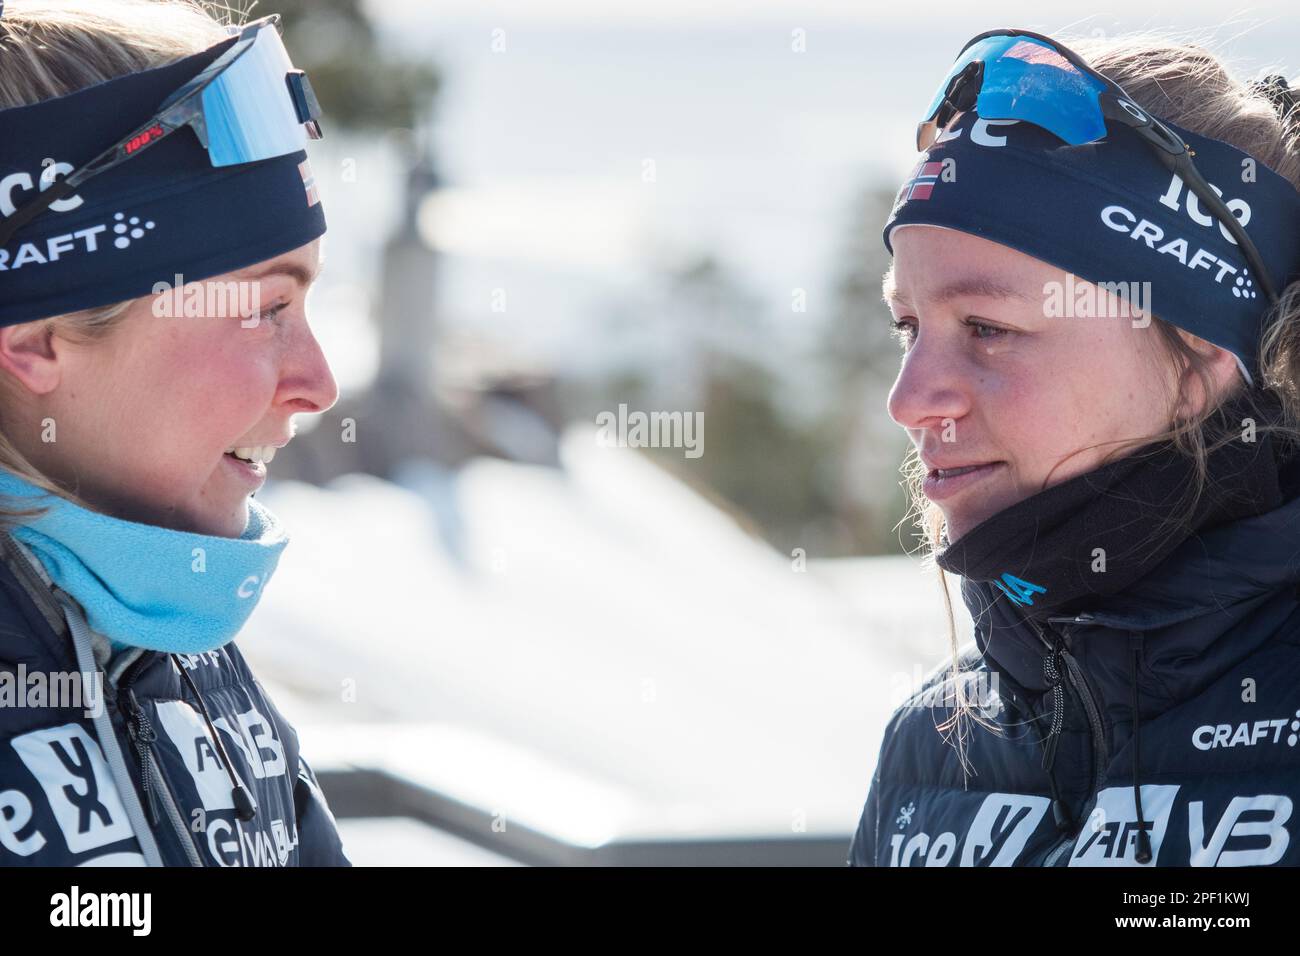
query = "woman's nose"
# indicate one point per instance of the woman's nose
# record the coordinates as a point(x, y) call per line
point(308, 378)
point(929, 388)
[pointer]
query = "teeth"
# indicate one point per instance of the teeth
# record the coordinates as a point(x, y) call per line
point(256, 453)
point(950, 472)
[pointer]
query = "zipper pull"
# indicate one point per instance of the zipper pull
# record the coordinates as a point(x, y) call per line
point(1143, 854)
point(243, 802)
point(1054, 677)
point(1062, 816)
point(142, 735)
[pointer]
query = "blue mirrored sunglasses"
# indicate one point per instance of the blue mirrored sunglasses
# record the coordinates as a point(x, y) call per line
point(1019, 75)
point(248, 105)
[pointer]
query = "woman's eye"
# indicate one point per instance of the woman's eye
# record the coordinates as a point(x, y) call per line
point(269, 315)
point(903, 331)
point(983, 327)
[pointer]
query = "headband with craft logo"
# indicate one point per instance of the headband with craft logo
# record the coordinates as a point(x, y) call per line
point(1110, 212)
point(163, 213)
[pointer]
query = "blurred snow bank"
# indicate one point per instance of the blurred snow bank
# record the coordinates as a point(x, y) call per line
point(596, 647)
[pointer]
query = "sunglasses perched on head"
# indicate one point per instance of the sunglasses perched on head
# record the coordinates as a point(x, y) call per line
point(249, 104)
point(1019, 75)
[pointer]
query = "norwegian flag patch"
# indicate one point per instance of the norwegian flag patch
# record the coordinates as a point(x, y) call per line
point(920, 185)
point(308, 182)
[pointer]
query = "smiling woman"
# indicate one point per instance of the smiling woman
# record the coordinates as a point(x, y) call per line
point(137, 412)
point(129, 407)
point(992, 360)
point(1114, 476)
point(133, 434)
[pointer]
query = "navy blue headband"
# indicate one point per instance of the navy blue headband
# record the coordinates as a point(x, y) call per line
point(165, 212)
point(1111, 212)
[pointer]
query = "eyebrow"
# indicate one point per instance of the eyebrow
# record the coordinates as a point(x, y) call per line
point(966, 287)
point(300, 274)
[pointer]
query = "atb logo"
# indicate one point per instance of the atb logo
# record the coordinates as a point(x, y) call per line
point(1109, 837)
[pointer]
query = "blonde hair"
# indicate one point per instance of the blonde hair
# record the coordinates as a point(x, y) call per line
point(50, 48)
point(1183, 82)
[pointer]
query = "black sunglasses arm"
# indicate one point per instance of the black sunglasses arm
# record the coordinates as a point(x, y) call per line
point(60, 189)
point(128, 148)
point(1181, 165)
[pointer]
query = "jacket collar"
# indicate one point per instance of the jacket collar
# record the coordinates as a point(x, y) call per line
point(1183, 610)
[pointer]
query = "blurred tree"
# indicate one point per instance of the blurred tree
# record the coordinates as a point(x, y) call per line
point(831, 486)
point(828, 483)
point(861, 359)
point(715, 357)
point(759, 462)
point(858, 340)
point(361, 85)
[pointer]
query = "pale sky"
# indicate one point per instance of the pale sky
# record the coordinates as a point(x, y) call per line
point(996, 13)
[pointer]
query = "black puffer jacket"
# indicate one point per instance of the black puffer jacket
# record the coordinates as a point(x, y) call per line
point(186, 763)
point(1168, 716)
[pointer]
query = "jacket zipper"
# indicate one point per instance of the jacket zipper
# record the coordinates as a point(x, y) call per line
point(142, 733)
point(1074, 674)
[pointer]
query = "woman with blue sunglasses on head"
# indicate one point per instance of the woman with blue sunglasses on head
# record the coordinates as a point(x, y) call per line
point(1095, 284)
point(159, 228)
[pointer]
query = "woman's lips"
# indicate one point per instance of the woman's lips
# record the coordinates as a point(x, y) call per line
point(250, 473)
point(938, 489)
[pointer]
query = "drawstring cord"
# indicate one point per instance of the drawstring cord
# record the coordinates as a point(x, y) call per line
point(1143, 841)
point(244, 805)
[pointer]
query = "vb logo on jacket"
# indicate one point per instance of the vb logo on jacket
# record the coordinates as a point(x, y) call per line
point(1009, 829)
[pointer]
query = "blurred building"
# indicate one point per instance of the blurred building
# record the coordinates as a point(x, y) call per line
point(406, 412)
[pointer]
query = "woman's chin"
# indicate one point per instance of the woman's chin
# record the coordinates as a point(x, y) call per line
point(952, 531)
point(232, 523)
point(962, 521)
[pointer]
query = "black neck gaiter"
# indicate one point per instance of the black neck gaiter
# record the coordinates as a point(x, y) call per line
point(1043, 552)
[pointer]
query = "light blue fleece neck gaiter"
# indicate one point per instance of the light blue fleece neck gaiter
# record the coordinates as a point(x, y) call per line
point(146, 586)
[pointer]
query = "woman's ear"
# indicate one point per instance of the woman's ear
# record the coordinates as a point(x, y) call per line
point(1224, 373)
point(28, 354)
